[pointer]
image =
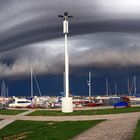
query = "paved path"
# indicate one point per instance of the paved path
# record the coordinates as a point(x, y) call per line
point(25, 113)
point(110, 130)
point(5, 122)
point(72, 118)
point(9, 120)
point(117, 126)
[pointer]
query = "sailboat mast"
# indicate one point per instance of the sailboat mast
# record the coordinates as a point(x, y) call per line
point(115, 89)
point(135, 88)
point(106, 80)
point(89, 84)
point(128, 88)
point(7, 91)
point(31, 82)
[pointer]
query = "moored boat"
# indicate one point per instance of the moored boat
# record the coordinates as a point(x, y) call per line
point(20, 103)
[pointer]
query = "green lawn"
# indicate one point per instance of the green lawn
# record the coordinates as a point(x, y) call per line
point(11, 112)
point(137, 132)
point(39, 130)
point(85, 112)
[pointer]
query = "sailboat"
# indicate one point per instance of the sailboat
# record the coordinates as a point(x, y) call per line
point(131, 96)
point(92, 101)
point(108, 96)
point(23, 102)
point(20, 103)
point(33, 76)
point(4, 93)
point(39, 101)
point(4, 99)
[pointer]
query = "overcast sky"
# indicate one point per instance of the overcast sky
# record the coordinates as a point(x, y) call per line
point(104, 36)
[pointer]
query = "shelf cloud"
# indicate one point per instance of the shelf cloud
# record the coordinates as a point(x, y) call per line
point(104, 35)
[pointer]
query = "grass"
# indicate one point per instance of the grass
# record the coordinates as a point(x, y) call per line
point(11, 112)
point(137, 132)
point(85, 112)
point(38, 130)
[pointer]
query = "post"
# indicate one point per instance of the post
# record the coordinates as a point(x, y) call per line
point(67, 105)
point(66, 68)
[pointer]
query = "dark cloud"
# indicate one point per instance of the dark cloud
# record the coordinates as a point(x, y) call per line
point(23, 23)
point(102, 53)
point(42, 32)
point(104, 36)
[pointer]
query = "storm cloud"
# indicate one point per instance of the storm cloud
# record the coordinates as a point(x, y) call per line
point(23, 22)
point(104, 34)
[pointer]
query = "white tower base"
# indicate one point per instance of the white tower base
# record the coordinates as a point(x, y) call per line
point(67, 105)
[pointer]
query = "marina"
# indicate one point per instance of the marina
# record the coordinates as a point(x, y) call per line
point(70, 70)
point(48, 102)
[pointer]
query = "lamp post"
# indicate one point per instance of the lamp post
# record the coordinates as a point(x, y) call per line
point(67, 105)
